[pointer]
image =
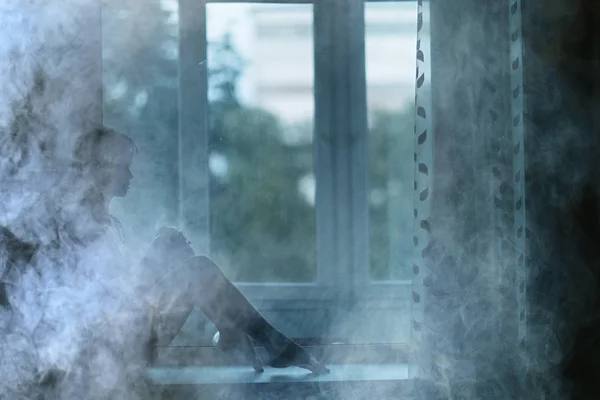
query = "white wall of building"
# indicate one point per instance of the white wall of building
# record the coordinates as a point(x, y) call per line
point(277, 42)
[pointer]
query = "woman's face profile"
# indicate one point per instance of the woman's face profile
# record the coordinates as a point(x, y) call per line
point(117, 179)
point(114, 168)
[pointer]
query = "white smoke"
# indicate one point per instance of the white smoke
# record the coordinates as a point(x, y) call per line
point(73, 308)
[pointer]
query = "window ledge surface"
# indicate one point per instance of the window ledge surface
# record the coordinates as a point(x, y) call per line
point(219, 375)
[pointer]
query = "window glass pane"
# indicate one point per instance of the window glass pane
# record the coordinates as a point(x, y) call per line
point(262, 186)
point(140, 72)
point(390, 40)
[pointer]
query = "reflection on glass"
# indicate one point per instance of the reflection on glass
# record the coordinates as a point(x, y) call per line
point(262, 190)
point(390, 40)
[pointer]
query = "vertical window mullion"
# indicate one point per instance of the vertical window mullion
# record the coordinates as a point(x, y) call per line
point(358, 149)
point(349, 129)
point(193, 174)
point(341, 130)
point(341, 99)
point(325, 145)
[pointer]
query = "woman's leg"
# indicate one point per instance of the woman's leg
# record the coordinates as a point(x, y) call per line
point(185, 287)
point(201, 283)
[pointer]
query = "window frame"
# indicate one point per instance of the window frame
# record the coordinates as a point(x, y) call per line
point(340, 162)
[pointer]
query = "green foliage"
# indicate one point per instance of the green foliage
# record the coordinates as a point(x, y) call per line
point(391, 151)
point(259, 219)
point(135, 37)
point(262, 227)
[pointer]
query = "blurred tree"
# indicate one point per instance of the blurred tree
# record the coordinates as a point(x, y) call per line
point(262, 225)
point(262, 228)
point(140, 77)
point(391, 148)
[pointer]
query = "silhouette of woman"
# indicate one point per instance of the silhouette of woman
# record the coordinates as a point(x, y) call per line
point(174, 279)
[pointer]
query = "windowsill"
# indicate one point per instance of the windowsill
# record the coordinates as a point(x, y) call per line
point(339, 355)
point(235, 375)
